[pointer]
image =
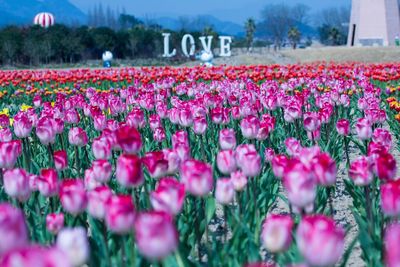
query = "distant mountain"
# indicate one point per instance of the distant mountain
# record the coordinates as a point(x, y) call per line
point(198, 23)
point(23, 11)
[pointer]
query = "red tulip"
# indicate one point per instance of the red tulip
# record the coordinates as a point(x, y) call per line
point(129, 139)
point(197, 177)
point(276, 235)
point(156, 164)
point(54, 222)
point(16, 184)
point(60, 160)
point(156, 235)
point(319, 240)
point(97, 200)
point(120, 214)
point(129, 171)
point(73, 196)
point(13, 230)
point(168, 196)
point(47, 182)
point(360, 171)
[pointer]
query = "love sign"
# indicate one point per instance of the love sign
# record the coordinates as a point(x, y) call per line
point(188, 45)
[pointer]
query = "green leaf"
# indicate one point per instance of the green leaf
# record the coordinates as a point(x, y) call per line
point(210, 208)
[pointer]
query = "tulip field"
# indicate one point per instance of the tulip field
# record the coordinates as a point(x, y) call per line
point(221, 166)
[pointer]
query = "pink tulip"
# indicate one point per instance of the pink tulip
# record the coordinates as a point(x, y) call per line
point(279, 163)
point(343, 127)
point(383, 137)
point(360, 171)
point(71, 116)
point(156, 164)
point(293, 146)
point(47, 182)
point(185, 117)
point(16, 184)
point(392, 245)
point(9, 152)
point(276, 235)
point(37, 101)
point(385, 166)
point(227, 139)
point(77, 137)
point(156, 235)
point(250, 126)
point(5, 135)
point(54, 222)
point(102, 170)
point(120, 214)
point(269, 154)
point(73, 242)
point(239, 180)
point(60, 160)
point(299, 184)
point(13, 230)
point(390, 198)
point(197, 177)
point(45, 130)
point(199, 125)
point(311, 121)
point(129, 171)
point(319, 240)
point(97, 200)
point(168, 196)
point(251, 164)
point(154, 121)
point(73, 196)
point(174, 160)
point(99, 122)
point(363, 129)
point(242, 150)
point(226, 162)
point(90, 181)
point(129, 139)
point(224, 191)
point(180, 137)
point(159, 134)
point(101, 148)
point(324, 169)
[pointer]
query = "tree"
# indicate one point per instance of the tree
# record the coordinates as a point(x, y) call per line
point(11, 40)
point(277, 22)
point(294, 36)
point(250, 26)
point(333, 27)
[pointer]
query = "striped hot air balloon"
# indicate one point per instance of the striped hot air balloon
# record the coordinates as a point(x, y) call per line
point(44, 19)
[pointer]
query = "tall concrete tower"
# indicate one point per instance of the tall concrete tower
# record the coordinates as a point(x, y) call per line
point(373, 22)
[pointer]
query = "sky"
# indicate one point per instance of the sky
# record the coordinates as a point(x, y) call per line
point(232, 10)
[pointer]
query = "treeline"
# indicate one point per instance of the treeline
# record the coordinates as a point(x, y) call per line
point(62, 44)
